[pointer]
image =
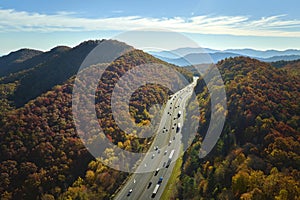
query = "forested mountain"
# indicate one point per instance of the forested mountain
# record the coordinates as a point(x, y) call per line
point(292, 67)
point(11, 61)
point(258, 154)
point(40, 73)
point(41, 155)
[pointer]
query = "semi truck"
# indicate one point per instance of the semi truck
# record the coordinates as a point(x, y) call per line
point(157, 187)
point(155, 190)
point(170, 158)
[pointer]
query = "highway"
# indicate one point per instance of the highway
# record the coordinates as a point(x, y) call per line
point(168, 138)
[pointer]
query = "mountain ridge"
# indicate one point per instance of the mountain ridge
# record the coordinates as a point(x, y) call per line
point(180, 56)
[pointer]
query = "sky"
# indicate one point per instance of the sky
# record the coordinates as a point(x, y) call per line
point(217, 24)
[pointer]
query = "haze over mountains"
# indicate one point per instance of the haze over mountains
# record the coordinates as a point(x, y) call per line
point(188, 56)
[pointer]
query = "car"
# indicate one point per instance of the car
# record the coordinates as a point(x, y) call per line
point(158, 150)
point(149, 185)
point(170, 142)
point(156, 171)
point(166, 151)
point(129, 192)
point(155, 148)
point(153, 155)
point(160, 180)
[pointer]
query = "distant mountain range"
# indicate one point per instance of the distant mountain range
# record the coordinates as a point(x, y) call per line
point(188, 56)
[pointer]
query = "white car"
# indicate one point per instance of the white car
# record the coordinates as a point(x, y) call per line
point(156, 172)
point(129, 192)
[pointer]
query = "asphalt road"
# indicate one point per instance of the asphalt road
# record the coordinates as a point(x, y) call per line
point(167, 139)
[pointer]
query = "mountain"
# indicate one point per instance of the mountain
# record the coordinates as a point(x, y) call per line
point(200, 56)
point(180, 52)
point(14, 58)
point(292, 67)
point(279, 58)
point(42, 156)
point(264, 54)
point(40, 73)
point(258, 153)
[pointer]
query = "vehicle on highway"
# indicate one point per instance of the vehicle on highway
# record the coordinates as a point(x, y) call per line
point(179, 113)
point(160, 180)
point(149, 185)
point(178, 128)
point(170, 158)
point(156, 171)
point(129, 192)
point(155, 190)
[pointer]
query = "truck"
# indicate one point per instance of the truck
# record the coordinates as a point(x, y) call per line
point(178, 128)
point(170, 158)
point(155, 190)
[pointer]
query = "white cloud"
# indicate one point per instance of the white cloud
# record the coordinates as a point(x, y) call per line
point(12, 20)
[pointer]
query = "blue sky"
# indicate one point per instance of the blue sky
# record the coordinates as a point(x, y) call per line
point(219, 24)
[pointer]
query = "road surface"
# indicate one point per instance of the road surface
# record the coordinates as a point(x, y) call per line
point(168, 138)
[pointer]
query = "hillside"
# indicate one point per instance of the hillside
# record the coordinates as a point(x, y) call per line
point(258, 154)
point(292, 67)
point(12, 60)
point(41, 154)
point(39, 74)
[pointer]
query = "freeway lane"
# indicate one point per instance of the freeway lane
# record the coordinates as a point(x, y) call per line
point(141, 185)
